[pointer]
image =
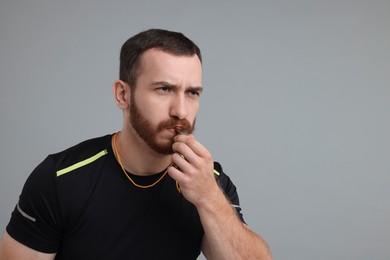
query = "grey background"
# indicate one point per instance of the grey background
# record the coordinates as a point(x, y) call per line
point(296, 105)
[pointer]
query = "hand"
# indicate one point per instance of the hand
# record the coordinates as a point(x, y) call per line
point(194, 172)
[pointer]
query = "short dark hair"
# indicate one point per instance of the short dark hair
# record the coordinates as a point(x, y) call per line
point(131, 52)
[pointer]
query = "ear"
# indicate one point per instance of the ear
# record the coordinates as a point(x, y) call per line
point(121, 91)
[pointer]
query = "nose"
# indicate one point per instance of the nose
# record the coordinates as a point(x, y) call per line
point(178, 107)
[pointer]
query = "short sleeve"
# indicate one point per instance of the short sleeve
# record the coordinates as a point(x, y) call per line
point(229, 188)
point(35, 221)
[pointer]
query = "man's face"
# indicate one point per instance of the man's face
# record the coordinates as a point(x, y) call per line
point(166, 95)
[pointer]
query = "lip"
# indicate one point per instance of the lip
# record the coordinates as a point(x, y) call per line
point(171, 129)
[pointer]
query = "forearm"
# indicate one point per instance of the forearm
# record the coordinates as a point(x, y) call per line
point(226, 237)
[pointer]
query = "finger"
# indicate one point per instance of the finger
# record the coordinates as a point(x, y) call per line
point(185, 150)
point(180, 162)
point(176, 174)
point(183, 138)
point(195, 146)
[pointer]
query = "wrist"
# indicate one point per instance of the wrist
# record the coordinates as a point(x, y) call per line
point(213, 203)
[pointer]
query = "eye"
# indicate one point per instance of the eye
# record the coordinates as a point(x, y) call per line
point(164, 89)
point(194, 93)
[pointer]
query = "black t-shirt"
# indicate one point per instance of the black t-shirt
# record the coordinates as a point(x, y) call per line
point(80, 204)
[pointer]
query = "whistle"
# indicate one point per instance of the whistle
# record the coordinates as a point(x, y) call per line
point(180, 130)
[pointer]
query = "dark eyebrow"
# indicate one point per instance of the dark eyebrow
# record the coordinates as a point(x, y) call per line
point(165, 83)
point(158, 83)
point(196, 89)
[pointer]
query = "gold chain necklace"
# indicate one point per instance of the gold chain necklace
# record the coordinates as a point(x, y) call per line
point(130, 179)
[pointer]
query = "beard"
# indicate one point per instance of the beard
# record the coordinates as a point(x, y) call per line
point(148, 133)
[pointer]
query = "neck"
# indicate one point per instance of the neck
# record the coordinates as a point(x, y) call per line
point(137, 157)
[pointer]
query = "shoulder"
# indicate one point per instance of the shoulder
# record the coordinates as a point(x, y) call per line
point(44, 176)
point(228, 188)
point(84, 152)
point(55, 193)
point(223, 179)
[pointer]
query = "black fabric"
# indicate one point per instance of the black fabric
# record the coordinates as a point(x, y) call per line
point(94, 212)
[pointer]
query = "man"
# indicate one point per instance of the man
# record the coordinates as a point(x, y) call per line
point(150, 191)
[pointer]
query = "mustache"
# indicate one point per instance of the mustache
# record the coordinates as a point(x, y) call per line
point(180, 125)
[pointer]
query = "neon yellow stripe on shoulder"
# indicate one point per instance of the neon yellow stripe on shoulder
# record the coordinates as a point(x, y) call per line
point(216, 172)
point(82, 163)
